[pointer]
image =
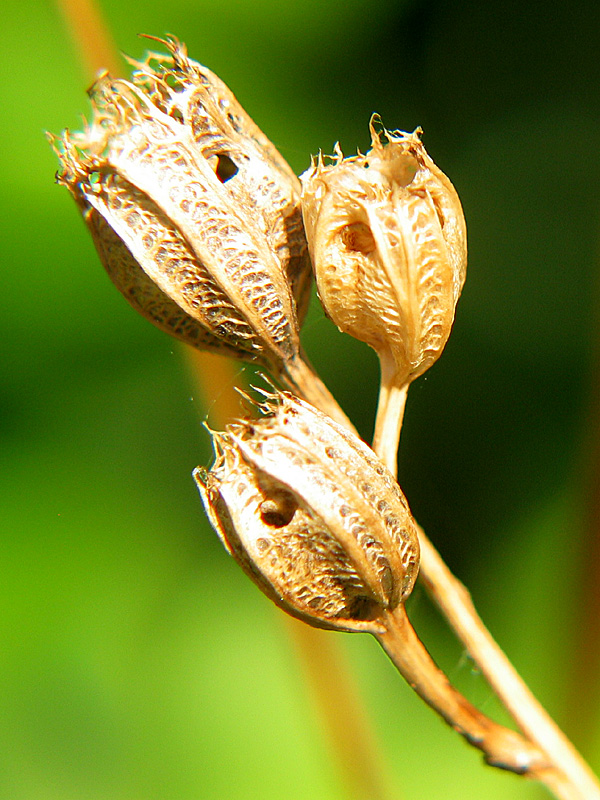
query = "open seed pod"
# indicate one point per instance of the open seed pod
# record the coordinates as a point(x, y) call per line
point(388, 241)
point(194, 213)
point(312, 516)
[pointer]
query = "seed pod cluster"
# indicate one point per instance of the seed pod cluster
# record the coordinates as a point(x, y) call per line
point(388, 242)
point(312, 516)
point(194, 213)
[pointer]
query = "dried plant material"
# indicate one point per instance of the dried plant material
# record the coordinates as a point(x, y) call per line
point(258, 178)
point(194, 213)
point(320, 525)
point(312, 516)
point(196, 216)
point(388, 242)
point(387, 236)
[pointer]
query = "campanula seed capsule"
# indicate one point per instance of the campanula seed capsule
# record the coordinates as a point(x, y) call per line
point(194, 213)
point(312, 516)
point(387, 236)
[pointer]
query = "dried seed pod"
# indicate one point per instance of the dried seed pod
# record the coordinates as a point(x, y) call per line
point(312, 516)
point(387, 236)
point(258, 178)
point(195, 214)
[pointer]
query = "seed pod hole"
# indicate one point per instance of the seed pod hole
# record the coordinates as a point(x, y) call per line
point(278, 509)
point(225, 168)
point(358, 238)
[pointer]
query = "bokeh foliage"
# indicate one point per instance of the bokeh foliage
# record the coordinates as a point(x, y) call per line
point(136, 661)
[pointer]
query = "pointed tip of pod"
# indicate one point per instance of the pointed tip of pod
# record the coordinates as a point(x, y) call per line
point(200, 476)
point(176, 50)
point(388, 146)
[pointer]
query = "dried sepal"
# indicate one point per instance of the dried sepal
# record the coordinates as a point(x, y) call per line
point(388, 241)
point(196, 201)
point(312, 516)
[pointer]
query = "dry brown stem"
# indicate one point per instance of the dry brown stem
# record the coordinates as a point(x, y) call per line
point(455, 602)
point(552, 758)
point(390, 411)
point(502, 747)
point(569, 776)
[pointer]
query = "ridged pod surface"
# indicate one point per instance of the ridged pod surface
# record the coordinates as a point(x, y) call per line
point(388, 241)
point(312, 516)
point(194, 213)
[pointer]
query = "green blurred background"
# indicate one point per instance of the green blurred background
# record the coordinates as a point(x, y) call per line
point(136, 660)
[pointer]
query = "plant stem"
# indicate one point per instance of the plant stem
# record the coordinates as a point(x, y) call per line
point(390, 412)
point(557, 763)
point(214, 378)
point(501, 746)
point(455, 603)
point(91, 36)
point(585, 650)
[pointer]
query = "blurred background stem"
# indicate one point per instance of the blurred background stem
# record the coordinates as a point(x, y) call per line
point(91, 37)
